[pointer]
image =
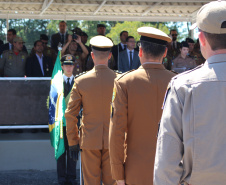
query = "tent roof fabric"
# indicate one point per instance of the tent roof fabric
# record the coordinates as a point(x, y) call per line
point(102, 10)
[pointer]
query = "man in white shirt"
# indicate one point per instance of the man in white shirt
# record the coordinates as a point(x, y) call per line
point(38, 65)
point(128, 59)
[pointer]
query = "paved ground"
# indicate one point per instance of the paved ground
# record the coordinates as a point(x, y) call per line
point(30, 177)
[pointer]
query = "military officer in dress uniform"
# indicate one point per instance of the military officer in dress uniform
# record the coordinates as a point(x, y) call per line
point(193, 123)
point(136, 111)
point(12, 62)
point(66, 166)
point(93, 90)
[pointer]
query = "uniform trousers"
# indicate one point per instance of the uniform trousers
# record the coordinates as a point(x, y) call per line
point(66, 166)
point(96, 167)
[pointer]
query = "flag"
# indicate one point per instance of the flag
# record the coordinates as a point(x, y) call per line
point(57, 109)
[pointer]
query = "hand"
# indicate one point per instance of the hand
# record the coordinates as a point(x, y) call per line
point(73, 152)
point(120, 182)
point(78, 40)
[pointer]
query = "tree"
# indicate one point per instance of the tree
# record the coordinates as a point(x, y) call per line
point(131, 27)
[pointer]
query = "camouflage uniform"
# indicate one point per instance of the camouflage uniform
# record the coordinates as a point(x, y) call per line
point(12, 65)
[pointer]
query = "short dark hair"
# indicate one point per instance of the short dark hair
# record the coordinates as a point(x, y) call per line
point(151, 49)
point(129, 37)
point(124, 31)
point(173, 30)
point(62, 22)
point(13, 31)
point(36, 42)
point(101, 54)
point(184, 44)
point(189, 40)
point(44, 37)
point(216, 41)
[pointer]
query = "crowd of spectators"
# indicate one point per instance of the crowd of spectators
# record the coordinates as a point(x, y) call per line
point(16, 62)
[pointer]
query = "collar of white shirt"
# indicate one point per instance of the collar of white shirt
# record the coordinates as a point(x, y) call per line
point(39, 56)
point(122, 45)
point(65, 78)
point(128, 51)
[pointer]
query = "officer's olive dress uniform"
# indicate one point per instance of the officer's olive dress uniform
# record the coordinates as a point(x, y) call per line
point(92, 90)
point(137, 111)
point(12, 65)
point(187, 63)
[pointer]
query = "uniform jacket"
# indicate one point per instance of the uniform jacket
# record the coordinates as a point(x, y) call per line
point(55, 39)
point(124, 64)
point(180, 62)
point(137, 101)
point(5, 47)
point(33, 68)
point(193, 127)
point(12, 65)
point(93, 91)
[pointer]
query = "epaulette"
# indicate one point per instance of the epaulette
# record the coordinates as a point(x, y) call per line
point(123, 74)
point(186, 72)
point(80, 74)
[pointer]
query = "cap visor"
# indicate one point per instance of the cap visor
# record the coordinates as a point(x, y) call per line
point(193, 26)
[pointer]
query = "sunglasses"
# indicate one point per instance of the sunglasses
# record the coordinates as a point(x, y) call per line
point(45, 43)
point(174, 35)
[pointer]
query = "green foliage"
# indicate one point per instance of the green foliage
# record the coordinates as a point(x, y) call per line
point(131, 27)
point(30, 29)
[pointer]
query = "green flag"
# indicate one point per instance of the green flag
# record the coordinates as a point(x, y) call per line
point(57, 109)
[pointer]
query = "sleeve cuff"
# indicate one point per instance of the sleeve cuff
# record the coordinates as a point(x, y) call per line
point(117, 171)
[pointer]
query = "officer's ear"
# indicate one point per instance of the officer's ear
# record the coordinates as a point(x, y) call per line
point(140, 52)
point(92, 55)
point(109, 56)
point(165, 53)
point(202, 38)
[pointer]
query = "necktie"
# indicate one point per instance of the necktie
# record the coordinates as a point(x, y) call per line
point(68, 83)
point(125, 46)
point(62, 39)
point(174, 45)
point(131, 59)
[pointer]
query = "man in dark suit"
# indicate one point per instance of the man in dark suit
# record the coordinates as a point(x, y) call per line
point(39, 65)
point(128, 59)
point(116, 49)
point(60, 37)
point(174, 47)
point(11, 34)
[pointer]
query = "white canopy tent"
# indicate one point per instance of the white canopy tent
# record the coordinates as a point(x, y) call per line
point(112, 10)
